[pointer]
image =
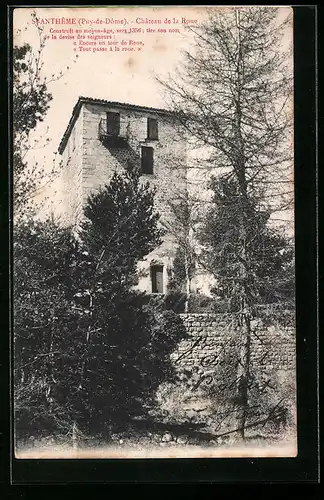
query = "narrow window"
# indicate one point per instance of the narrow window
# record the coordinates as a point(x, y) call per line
point(152, 129)
point(147, 160)
point(113, 123)
point(157, 279)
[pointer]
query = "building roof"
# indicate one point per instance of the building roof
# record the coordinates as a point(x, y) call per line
point(89, 100)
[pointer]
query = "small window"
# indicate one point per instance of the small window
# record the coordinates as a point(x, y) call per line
point(113, 123)
point(152, 129)
point(157, 279)
point(147, 160)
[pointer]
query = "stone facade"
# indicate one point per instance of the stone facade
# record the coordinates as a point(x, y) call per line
point(89, 162)
point(72, 174)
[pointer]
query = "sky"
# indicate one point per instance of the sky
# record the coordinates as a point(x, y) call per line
point(113, 75)
point(116, 76)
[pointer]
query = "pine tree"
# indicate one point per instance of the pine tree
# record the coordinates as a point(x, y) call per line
point(46, 327)
point(232, 96)
point(121, 225)
point(90, 350)
point(129, 342)
point(271, 270)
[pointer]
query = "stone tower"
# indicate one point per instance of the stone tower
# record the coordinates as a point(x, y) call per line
point(104, 136)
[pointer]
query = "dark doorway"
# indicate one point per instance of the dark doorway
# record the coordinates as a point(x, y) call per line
point(157, 279)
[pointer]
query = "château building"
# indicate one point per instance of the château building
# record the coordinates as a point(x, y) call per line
point(104, 136)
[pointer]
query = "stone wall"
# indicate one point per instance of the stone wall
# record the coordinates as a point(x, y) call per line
point(72, 176)
point(210, 335)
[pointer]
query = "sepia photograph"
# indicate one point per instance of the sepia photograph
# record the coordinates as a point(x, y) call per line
point(153, 232)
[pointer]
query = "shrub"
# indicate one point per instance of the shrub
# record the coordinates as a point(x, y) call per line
point(175, 300)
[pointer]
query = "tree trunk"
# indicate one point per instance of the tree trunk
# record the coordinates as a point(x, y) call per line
point(244, 375)
point(74, 436)
point(188, 292)
point(188, 282)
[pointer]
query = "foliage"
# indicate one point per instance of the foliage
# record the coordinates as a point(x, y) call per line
point(200, 303)
point(30, 103)
point(44, 322)
point(177, 278)
point(31, 99)
point(177, 295)
point(121, 223)
point(249, 273)
point(130, 346)
point(269, 268)
point(130, 341)
point(90, 350)
point(180, 276)
point(232, 97)
point(175, 300)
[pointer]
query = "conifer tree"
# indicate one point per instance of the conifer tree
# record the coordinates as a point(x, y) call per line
point(232, 97)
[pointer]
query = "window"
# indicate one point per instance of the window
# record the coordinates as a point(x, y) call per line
point(147, 160)
point(113, 123)
point(152, 129)
point(157, 279)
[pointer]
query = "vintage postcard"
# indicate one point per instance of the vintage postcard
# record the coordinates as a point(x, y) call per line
point(153, 232)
